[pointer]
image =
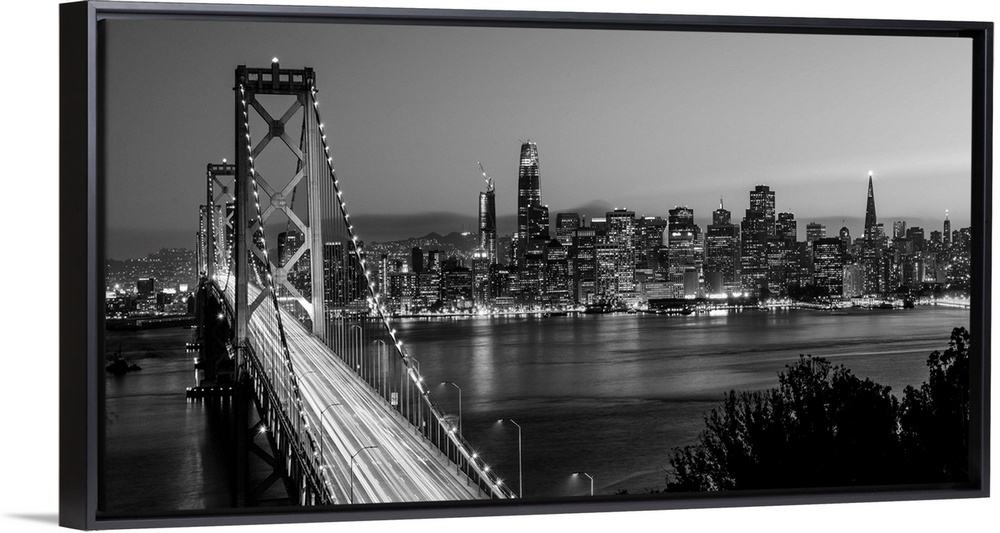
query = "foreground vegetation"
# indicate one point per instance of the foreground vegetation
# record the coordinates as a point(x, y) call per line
point(823, 426)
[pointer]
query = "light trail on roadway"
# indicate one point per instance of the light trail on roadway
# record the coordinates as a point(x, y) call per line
point(392, 462)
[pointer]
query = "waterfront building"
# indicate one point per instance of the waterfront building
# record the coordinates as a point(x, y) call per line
point(584, 259)
point(403, 288)
point(780, 265)
point(557, 277)
point(605, 272)
point(428, 287)
point(501, 282)
point(681, 248)
point(456, 287)
point(828, 261)
point(722, 252)
point(912, 271)
point(531, 289)
point(753, 251)
point(621, 235)
point(854, 281)
point(481, 277)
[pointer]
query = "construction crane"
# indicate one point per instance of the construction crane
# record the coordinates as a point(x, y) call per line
point(489, 180)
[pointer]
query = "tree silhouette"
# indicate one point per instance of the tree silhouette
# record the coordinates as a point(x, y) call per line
point(824, 426)
point(934, 419)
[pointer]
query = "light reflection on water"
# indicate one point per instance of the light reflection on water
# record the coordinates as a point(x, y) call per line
point(614, 394)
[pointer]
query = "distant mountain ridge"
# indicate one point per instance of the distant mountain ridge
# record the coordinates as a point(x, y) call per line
point(461, 240)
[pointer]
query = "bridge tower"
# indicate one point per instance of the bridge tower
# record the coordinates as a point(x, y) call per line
point(218, 216)
point(256, 87)
point(309, 287)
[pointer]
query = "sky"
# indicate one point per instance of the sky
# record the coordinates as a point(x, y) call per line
point(642, 120)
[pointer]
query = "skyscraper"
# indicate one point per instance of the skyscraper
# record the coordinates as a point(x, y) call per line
point(722, 252)
point(871, 249)
point(785, 228)
point(815, 231)
point(416, 260)
point(870, 218)
point(757, 228)
point(648, 238)
point(899, 229)
point(529, 194)
point(721, 215)
point(762, 199)
point(845, 238)
point(681, 240)
point(488, 222)
point(621, 235)
point(828, 259)
point(584, 264)
point(782, 254)
point(947, 230)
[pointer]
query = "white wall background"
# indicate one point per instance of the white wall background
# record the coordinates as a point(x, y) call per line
point(29, 177)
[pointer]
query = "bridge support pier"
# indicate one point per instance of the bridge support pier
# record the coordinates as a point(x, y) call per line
point(261, 447)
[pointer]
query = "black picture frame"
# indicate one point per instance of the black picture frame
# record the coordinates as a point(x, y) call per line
point(81, 249)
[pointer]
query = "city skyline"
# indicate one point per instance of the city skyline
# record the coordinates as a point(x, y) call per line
point(418, 225)
point(700, 126)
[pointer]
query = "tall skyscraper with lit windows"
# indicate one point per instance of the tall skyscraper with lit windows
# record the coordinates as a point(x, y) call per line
point(621, 236)
point(757, 227)
point(529, 195)
point(871, 245)
point(722, 252)
point(488, 223)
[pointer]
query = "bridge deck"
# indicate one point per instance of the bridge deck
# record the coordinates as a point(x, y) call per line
point(405, 467)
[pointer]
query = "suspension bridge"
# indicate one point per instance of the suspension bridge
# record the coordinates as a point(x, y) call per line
point(291, 317)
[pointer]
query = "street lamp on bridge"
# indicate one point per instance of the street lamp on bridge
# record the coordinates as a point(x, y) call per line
point(327, 407)
point(591, 480)
point(452, 383)
point(520, 472)
point(352, 467)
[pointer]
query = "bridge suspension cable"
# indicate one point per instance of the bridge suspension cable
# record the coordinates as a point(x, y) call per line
point(444, 433)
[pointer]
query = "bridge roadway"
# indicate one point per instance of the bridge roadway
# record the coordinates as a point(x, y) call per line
point(405, 467)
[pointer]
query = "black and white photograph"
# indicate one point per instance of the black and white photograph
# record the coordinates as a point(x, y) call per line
point(490, 263)
point(389, 265)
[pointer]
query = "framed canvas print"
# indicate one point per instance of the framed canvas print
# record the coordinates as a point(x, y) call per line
point(331, 264)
